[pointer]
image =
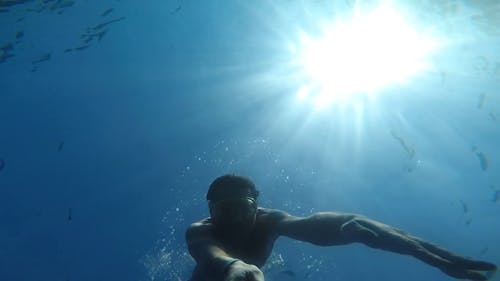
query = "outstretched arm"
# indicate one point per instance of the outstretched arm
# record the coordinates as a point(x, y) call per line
point(327, 229)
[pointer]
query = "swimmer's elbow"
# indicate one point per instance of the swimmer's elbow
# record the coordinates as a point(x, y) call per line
point(322, 229)
point(359, 229)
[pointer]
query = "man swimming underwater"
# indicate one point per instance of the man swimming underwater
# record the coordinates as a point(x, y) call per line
point(236, 240)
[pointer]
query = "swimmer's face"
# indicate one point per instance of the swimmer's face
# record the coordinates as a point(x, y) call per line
point(236, 213)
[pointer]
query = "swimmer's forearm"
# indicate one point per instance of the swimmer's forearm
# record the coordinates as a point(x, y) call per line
point(218, 265)
point(212, 259)
point(384, 237)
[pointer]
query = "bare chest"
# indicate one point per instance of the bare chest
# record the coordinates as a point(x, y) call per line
point(255, 249)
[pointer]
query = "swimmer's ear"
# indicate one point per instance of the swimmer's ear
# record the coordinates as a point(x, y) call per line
point(210, 208)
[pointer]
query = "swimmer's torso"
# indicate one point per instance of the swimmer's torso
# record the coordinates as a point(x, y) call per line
point(254, 249)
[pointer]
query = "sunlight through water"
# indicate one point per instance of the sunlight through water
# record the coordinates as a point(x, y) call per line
point(362, 55)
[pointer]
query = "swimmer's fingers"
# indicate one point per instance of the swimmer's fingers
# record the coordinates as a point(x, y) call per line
point(466, 274)
point(459, 261)
point(481, 265)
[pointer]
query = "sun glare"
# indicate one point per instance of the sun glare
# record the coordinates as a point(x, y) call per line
point(361, 55)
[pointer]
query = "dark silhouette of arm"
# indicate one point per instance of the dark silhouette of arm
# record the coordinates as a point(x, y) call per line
point(329, 228)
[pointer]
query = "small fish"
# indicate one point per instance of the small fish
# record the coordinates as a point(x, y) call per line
point(68, 50)
point(176, 10)
point(467, 222)
point(90, 38)
point(443, 76)
point(81, 48)
point(6, 47)
point(288, 272)
point(101, 34)
point(497, 69)
point(39, 10)
point(7, 3)
point(61, 4)
point(101, 25)
point(496, 196)
point(483, 251)
point(465, 209)
point(409, 150)
point(19, 35)
point(4, 55)
point(493, 116)
point(61, 146)
point(107, 12)
point(70, 215)
point(481, 63)
point(483, 161)
point(2, 164)
point(482, 99)
point(43, 58)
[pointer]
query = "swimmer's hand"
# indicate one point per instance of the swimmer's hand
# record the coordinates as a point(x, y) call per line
point(470, 269)
point(240, 271)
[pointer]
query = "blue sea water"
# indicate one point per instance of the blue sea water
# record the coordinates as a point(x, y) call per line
point(114, 122)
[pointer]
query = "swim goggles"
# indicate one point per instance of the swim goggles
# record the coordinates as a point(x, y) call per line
point(233, 209)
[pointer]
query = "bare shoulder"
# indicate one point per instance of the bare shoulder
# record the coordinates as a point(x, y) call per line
point(274, 215)
point(279, 215)
point(206, 222)
point(202, 228)
point(273, 218)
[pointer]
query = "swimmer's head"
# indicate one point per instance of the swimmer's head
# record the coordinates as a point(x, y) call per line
point(232, 201)
point(231, 186)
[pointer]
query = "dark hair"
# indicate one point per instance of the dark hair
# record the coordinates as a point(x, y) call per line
point(231, 184)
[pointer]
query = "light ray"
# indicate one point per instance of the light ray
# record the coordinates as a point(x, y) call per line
point(362, 55)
